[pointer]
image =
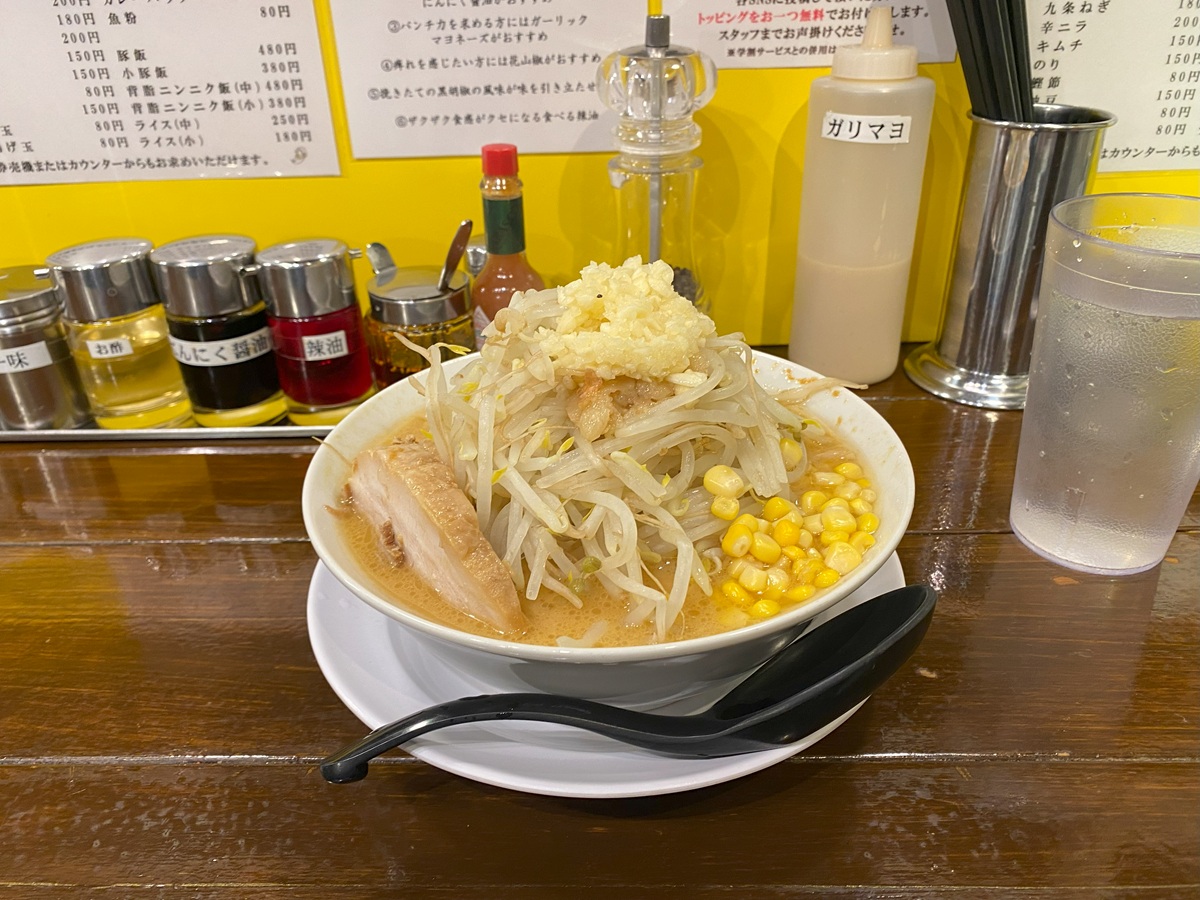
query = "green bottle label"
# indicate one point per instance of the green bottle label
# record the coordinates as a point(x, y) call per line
point(504, 224)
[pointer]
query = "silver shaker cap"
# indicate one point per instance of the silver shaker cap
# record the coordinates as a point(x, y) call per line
point(410, 296)
point(198, 277)
point(26, 294)
point(306, 278)
point(103, 279)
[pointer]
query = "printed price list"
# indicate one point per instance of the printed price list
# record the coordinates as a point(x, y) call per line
point(1138, 61)
point(117, 90)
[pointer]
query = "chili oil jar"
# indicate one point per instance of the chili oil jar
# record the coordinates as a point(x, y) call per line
point(117, 332)
point(218, 330)
point(317, 329)
point(39, 387)
point(408, 301)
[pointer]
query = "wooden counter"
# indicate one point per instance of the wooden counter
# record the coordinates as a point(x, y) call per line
point(162, 713)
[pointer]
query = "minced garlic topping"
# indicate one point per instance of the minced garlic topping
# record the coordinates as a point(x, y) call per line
point(626, 320)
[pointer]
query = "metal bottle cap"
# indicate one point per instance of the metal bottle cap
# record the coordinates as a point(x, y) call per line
point(198, 276)
point(26, 296)
point(306, 278)
point(410, 296)
point(103, 279)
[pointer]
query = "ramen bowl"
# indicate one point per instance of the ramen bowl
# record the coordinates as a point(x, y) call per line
point(637, 677)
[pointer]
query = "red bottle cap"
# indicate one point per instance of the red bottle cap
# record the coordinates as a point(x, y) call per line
point(499, 160)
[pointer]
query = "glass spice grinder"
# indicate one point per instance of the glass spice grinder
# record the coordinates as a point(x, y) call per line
point(655, 89)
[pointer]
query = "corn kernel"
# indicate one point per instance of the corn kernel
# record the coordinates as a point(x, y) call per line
point(778, 579)
point(737, 540)
point(847, 491)
point(722, 481)
point(826, 578)
point(735, 593)
point(776, 508)
point(860, 541)
point(858, 506)
point(793, 515)
point(863, 482)
point(792, 452)
point(813, 524)
point(836, 518)
point(868, 522)
point(800, 593)
point(736, 565)
point(772, 593)
point(804, 572)
point(793, 553)
point(786, 533)
point(753, 579)
point(749, 520)
point(806, 538)
point(869, 495)
point(831, 537)
point(764, 609)
point(835, 501)
point(763, 547)
point(731, 617)
point(812, 501)
point(849, 470)
point(726, 508)
point(814, 553)
point(842, 557)
point(827, 479)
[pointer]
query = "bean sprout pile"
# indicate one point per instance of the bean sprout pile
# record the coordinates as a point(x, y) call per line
point(561, 507)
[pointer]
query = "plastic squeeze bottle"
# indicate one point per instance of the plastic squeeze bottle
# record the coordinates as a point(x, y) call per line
point(506, 270)
point(868, 129)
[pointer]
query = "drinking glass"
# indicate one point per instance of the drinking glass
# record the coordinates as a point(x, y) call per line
point(1110, 440)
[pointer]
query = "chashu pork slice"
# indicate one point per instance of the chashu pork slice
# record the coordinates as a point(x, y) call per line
point(425, 521)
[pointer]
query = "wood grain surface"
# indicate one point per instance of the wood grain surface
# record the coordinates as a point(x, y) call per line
point(162, 714)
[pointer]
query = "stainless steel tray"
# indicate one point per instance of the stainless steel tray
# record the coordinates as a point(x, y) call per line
point(51, 435)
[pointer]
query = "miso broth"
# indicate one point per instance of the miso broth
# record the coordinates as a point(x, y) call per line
point(551, 616)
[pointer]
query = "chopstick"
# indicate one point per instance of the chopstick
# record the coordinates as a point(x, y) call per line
point(993, 49)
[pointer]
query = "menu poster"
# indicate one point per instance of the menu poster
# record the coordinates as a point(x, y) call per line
point(1137, 60)
point(442, 77)
point(118, 90)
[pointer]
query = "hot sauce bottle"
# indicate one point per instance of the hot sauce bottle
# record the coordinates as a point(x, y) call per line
point(506, 269)
point(317, 328)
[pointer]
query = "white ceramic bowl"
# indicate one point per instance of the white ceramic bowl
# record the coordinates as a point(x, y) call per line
point(636, 677)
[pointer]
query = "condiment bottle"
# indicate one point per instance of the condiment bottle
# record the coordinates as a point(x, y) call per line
point(219, 332)
point(868, 129)
point(655, 89)
point(317, 329)
point(117, 333)
point(506, 269)
point(409, 301)
point(39, 387)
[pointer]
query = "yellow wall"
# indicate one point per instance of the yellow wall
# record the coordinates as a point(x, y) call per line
point(747, 208)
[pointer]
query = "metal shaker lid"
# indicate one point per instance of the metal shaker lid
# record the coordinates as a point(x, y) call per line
point(197, 277)
point(410, 296)
point(306, 278)
point(26, 294)
point(103, 279)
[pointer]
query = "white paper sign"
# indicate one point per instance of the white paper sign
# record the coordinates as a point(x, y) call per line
point(444, 77)
point(228, 352)
point(1139, 61)
point(100, 90)
point(25, 358)
point(852, 129)
point(110, 349)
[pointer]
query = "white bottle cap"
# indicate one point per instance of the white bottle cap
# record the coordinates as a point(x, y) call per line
point(876, 58)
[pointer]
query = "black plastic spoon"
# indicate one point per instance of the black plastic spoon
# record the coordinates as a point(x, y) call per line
point(818, 677)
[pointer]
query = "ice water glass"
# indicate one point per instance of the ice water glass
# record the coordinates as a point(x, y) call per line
point(1109, 454)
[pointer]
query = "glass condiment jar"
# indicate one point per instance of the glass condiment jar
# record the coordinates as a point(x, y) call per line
point(317, 329)
point(409, 302)
point(655, 89)
point(39, 387)
point(117, 332)
point(219, 332)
